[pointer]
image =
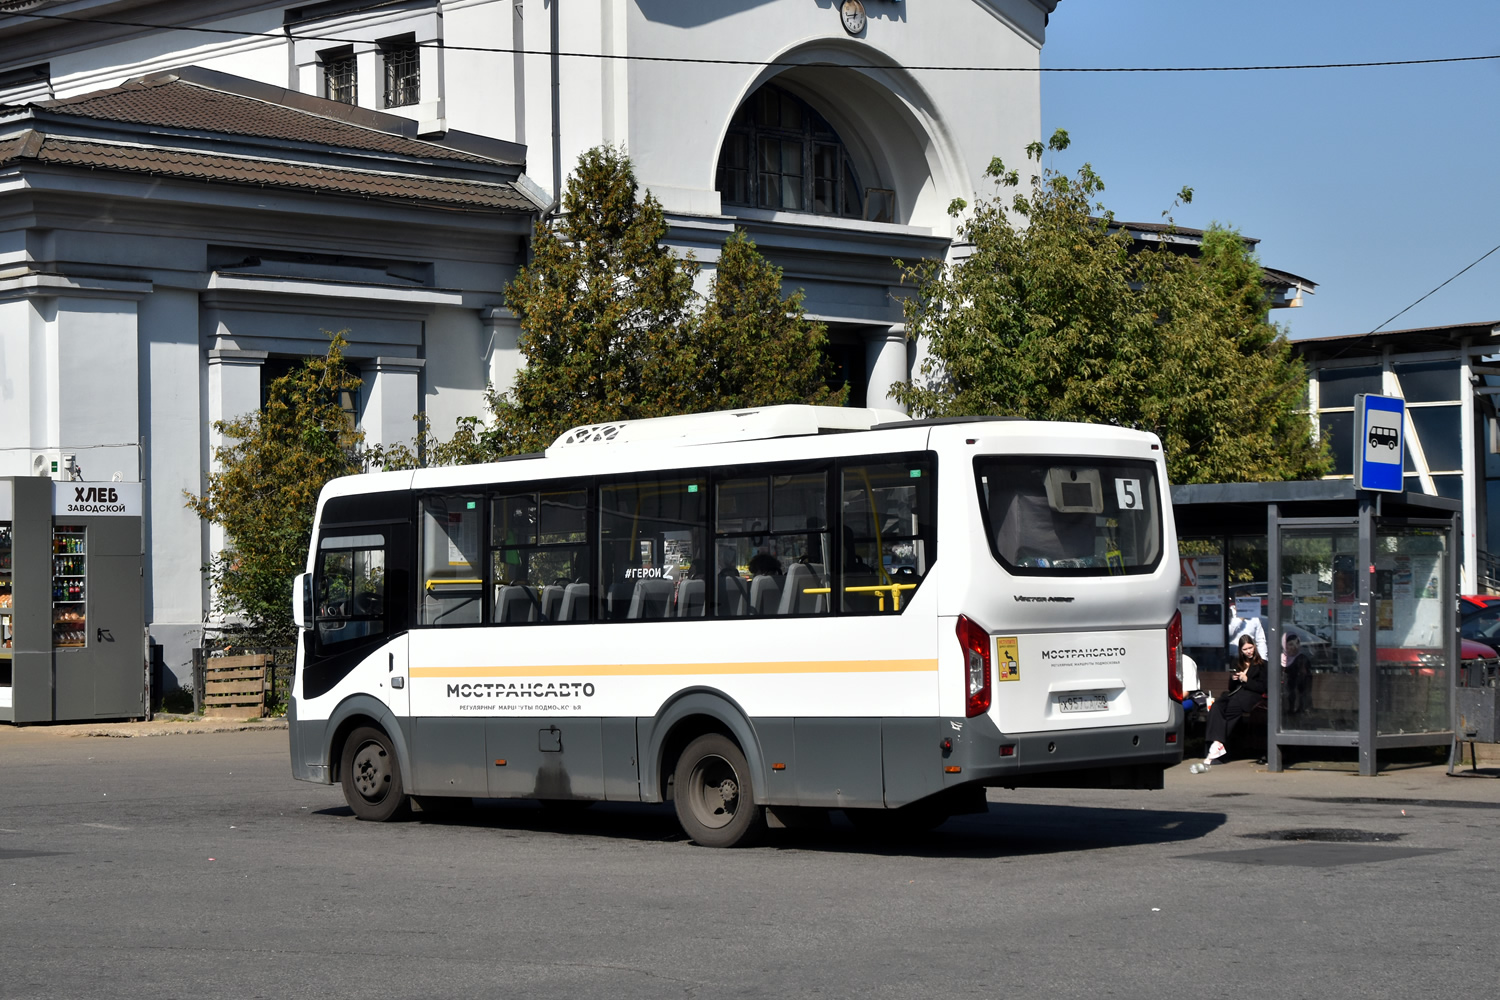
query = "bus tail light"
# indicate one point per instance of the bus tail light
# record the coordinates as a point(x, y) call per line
point(976, 645)
point(1174, 658)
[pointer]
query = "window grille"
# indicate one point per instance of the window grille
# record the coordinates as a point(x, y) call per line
point(782, 155)
point(340, 81)
point(403, 73)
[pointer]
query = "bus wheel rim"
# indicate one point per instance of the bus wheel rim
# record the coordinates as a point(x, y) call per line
point(715, 792)
point(372, 771)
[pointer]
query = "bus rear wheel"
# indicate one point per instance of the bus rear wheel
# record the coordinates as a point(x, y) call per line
point(371, 776)
point(713, 795)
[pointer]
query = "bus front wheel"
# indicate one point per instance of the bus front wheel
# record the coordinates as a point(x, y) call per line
point(371, 776)
point(713, 795)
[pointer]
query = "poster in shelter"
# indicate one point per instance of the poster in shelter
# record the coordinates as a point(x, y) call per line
point(1200, 596)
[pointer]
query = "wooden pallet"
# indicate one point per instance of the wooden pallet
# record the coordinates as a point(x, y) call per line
point(235, 686)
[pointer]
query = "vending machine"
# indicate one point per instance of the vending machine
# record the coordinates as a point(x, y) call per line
point(71, 614)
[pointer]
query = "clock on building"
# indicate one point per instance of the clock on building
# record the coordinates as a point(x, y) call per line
point(852, 13)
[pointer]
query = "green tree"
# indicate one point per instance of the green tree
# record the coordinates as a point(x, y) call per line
point(601, 303)
point(469, 445)
point(749, 346)
point(613, 330)
point(265, 491)
point(1228, 393)
point(1054, 315)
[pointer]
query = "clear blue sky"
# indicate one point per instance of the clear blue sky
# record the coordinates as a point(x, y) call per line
point(1377, 183)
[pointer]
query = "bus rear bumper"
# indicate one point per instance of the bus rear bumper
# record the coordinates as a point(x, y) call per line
point(1111, 757)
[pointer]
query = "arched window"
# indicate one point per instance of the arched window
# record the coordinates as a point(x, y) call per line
point(782, 155)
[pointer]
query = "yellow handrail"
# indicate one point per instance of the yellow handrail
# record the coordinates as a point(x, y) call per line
point(894, 588)
point(471, 582)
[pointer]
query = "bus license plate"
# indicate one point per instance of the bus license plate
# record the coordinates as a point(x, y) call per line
point(1094, 701)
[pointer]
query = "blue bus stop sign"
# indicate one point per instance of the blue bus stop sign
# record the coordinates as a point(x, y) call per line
point(1378, 445)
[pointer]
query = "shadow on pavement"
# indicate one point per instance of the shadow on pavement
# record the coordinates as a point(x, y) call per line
point(1009, 831)
point(1005, 831)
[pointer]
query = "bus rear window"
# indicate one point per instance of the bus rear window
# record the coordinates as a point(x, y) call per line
point(1070, 517)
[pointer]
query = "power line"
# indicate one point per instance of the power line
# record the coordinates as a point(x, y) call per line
point(771, 63)
point(1419, 301)
point(768, 63)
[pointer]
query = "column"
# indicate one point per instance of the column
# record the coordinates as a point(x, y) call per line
point(233, 391)
point(1470, 572)
point(369, 76)
point(886, 363)
point(394, 398)
point(504, 350)
point(432, 113)
point(98, 386)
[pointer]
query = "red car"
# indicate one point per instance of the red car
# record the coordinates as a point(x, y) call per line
point(1479, 619)
point(1470, 651)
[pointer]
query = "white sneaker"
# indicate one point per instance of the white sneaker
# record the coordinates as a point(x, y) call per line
point(1216, 751)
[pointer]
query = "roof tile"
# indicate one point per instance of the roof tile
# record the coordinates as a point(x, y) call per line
point(176, 103)
point(190, 164)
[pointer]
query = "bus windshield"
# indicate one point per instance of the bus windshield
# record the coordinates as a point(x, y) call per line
point(1071, 517)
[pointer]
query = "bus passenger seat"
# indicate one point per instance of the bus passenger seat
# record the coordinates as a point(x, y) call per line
point(651, 599)
point(552, 596)
point(575, 603)
point(515, 605)
point(690, 603)
point(734, 597)
point(793, 601)
point(765, 594)
point(617, 597)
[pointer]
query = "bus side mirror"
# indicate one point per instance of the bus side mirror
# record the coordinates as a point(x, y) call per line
point(302, 600)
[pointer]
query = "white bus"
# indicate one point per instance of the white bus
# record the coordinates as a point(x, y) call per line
point(755, 615)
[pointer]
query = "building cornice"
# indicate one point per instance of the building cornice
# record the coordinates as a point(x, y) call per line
point(1027, 18)
point(230, 289)
point(23, 283)
point(86, 23)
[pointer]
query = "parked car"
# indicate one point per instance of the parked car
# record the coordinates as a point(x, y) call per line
point(1469, 651)
point(1479, 619)
point(1468, 603)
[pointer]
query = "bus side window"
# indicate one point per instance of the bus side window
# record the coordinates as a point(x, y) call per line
point(887, 537)
point(350, 588)
point(452, 585)
point(651, 536)
point(539, 548)
point(772, 543)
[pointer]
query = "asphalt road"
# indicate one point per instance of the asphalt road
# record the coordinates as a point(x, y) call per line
point(194, 866)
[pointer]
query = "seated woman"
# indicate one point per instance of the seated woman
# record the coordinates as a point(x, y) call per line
point(1250, 685)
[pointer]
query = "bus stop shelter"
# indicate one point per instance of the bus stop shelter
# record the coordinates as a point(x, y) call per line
point(1367, 584)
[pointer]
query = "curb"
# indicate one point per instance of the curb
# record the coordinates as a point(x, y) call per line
point(132, 730)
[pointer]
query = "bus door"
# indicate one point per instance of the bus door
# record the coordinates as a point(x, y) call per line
point(397, 694)
point(361, 590)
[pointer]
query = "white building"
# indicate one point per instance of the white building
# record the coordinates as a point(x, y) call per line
point(191, 194)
